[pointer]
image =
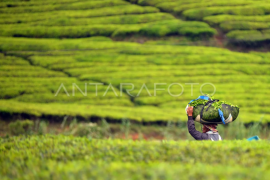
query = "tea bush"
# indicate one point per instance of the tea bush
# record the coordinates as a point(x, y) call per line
point(234, 25)
point(67, 6)
point(120, 19)
point(79, 31)
point(100, 12)
point(248, 37)
point(58, 157)
point(216, 20)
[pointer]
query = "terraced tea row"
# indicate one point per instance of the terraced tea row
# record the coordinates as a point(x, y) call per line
point(100, 12)
point(63, 157)
point(15, 3)
point(154, 29)
point(128, 78)
point(79, 5)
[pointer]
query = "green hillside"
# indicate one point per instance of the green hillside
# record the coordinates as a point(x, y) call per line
point(97, 89)
point(245, 22)
point(49, 47)
point(32, 71)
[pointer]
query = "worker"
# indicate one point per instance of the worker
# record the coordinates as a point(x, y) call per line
point(209, 131)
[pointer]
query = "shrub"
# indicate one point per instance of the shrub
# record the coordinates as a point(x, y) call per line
point(248, 38)
point(179, 9)
point(215, 20)
point(174, 27)
point(236, 25)
point(238, 34)
point(120, 19)
point(69, 6)
point(200, 13)
point(158, 28)
point(100, 12)
point(21, 127)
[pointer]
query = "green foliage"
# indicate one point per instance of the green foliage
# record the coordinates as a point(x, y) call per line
point(120, 19)
point(68, 6)
point(15, 3)
point(20, 127)
point(180, 6)
point(237, 77)
point(217, 104)
point(198, 102)
point(190, 29)
point(58, 157)
point(126, 31)
point(216, 20)
point(249, 37)
point(144, 113)
point(106, 18)
point(235, 25)
point(200, 13)
point(158, 28)
point(100, 12)
point(237, 34)
point(227, 15)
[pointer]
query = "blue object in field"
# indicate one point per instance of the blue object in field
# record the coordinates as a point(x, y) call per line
point(254, 138)
point(221, 116)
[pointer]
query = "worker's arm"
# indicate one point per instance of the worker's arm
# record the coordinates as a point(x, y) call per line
point(191, 127)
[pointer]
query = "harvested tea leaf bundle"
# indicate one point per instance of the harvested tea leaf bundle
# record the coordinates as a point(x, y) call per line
point(208, 110)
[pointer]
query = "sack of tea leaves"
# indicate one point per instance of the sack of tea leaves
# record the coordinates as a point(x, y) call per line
point(208, 111)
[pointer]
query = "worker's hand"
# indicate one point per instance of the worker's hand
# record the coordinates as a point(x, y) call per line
point(190, 111)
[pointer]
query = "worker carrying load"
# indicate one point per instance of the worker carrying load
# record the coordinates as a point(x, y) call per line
point(209, 113)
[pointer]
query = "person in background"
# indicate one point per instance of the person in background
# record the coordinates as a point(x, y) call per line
point(210, 131)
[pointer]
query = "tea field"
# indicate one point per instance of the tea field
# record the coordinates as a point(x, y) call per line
point(244, 22)
point(66, 157)
point(60, 58)
point(77, 19)
point(94, 77)
point(74, 68)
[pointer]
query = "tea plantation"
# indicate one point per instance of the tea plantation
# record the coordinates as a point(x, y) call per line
point(58, 58)
point(91, 68)
point(50, 77)
point(62, 157)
